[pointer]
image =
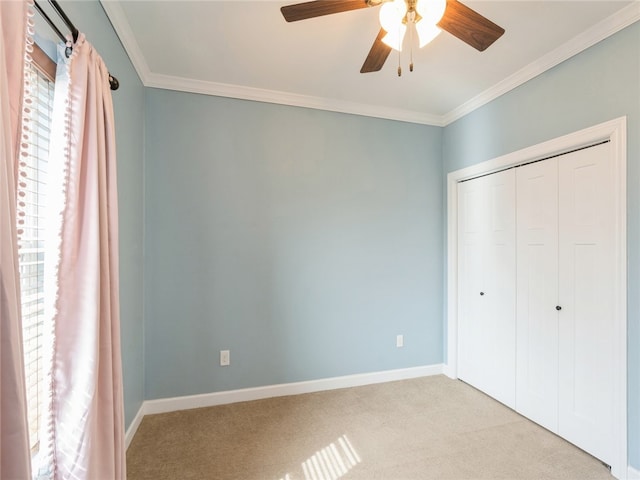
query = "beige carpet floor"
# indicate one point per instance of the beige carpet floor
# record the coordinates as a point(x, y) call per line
point(425, 428)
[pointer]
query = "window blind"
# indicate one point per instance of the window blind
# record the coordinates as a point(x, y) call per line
point(35, 151)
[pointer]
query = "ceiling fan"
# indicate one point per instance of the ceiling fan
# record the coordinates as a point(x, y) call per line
point(428, 17)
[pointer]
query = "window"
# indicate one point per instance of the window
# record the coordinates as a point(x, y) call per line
point(40, 75)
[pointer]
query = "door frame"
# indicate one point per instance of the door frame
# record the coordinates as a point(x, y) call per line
point(614, 131)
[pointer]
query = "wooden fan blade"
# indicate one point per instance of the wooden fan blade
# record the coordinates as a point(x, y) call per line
point(318, 8)
point(377, 55)
point(469, 26)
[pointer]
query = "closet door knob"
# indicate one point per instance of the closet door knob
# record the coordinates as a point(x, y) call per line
point(558, 307)
point(481, 293)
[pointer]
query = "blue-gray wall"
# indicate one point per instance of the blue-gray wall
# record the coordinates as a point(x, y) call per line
point(128, 104)
point(301, 240)
point(597, 85)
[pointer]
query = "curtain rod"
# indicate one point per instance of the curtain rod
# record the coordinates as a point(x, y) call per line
point(113, 81)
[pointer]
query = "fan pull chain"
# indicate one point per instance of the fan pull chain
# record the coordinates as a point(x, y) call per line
point(399, 67)
point(411, 47)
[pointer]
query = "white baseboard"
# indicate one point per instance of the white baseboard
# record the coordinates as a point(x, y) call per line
point(232, 396)
point(133, 428)
point(633, 474)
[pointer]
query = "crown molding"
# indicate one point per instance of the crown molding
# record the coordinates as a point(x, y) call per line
point(607, 27)
point(182, 84)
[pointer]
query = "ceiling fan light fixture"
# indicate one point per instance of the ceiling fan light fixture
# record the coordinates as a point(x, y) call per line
point(392, 16)
point(426, 32)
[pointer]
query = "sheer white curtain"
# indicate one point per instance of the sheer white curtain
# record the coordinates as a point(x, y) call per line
point(85, 424)
point(14, 436)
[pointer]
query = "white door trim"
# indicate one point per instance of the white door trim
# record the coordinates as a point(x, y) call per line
point(616, 132)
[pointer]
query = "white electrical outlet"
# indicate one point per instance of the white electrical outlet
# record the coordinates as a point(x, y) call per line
point(399, 341)
point(225, 359)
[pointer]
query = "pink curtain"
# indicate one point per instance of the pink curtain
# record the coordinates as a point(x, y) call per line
point(86, 415)
point(14, 436)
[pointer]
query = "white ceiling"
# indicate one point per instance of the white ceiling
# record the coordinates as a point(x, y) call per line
point(245, 49)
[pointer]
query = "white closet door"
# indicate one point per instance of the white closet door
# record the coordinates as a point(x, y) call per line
point(587, 262)
point(537, 293)
point(486, 234)
point(472, 218)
